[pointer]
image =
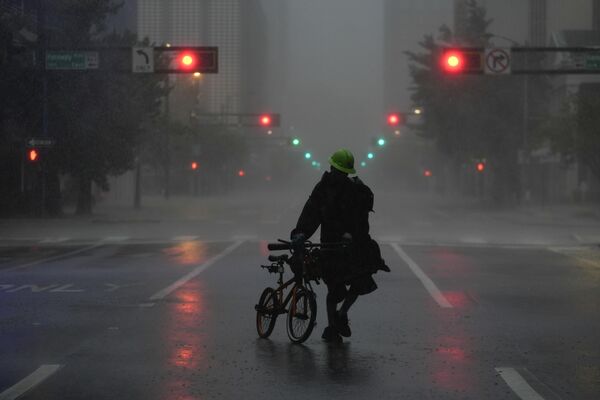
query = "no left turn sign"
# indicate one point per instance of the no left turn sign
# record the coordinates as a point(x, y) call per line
point(497, 61)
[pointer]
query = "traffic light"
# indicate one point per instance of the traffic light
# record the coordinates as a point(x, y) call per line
point(266, 120)
point(33, 155)
point(307, 155)
point(394, 119)
point(363, 164)
point(194, 165)
point(182, 59)
point(295, 142)
point(480, 166)
point(370, 156)
point(381, 142)
point(241, 173)
point(457, 61)
point(427, 173)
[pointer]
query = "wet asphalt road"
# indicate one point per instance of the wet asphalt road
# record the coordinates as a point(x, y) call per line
point(166, 320)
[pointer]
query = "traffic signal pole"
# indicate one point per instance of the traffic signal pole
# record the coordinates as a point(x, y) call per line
point(41, 57)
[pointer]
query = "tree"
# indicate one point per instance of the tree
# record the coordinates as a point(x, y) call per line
point(573, 131)
point(97, 118)
point(470, 117)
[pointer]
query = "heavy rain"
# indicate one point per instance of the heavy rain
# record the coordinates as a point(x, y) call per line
point(328, 199)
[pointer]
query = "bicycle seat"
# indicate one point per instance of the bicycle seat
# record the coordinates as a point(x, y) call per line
point(283, 257)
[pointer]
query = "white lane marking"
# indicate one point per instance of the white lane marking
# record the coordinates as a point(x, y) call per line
point(55, 240)
point(518, 384)
point(29, 382)
point(193, 273)
point(53, 258)
point(428, 283)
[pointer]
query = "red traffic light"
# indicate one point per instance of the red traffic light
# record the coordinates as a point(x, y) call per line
point(33, 155)
point(265, 120)
point(188, 61)
point(393, 119)
point(241, 173)
point(194, 165)
point(458, 61)
point(453, 61)
point(480, 167)
point(427, 173)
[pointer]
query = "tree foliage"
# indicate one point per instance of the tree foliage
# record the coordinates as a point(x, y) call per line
point(470, 117)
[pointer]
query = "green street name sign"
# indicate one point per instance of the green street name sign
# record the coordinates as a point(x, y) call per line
point(72, 60)
point(592, 61)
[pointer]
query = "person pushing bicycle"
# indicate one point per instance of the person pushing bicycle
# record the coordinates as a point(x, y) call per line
point(341, 206)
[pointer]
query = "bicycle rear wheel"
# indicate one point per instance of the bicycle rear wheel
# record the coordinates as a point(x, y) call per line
point(266, 312)
point(301, 316)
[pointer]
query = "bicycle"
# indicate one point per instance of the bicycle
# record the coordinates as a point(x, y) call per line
point(302, 311)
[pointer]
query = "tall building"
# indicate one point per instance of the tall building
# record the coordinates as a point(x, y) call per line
point(537, 23)
point(236, 27)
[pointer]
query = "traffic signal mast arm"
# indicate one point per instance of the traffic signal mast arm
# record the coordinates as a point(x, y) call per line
point(471, 60)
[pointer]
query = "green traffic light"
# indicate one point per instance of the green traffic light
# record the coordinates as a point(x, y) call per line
point(307, 156)
point(314, 163)
point(370, 156)
point(363, 164)
point(381, 142)
point(296, 142)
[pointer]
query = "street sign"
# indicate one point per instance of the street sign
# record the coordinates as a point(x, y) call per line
point(592, 61)
point(142, 59)
point(497, 61)
point(40, 142)
point(72, 60)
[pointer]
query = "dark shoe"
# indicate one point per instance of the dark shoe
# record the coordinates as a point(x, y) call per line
point(342, 325)
point(330, 335)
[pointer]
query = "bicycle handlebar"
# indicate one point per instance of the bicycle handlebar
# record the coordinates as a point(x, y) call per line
point(283, 245)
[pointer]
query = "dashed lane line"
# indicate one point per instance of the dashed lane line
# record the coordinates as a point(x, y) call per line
point(518, 384)
point(53, 258)
point(29, 382)
point(427, 283)
point(195, 272)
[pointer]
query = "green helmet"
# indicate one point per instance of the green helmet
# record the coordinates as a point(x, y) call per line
point(343, 160)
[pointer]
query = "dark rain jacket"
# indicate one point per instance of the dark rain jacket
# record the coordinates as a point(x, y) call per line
point(341, 205)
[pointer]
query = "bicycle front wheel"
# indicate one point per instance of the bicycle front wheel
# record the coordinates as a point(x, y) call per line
point(266, 312)
point(301, 315)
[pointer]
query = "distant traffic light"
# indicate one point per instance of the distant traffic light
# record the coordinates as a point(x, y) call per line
point(480, 166)
point(295, 142)
point(307, 155)
point(194, 165)
point(457, 61)
point(265, 120)
point(394, 119)
point(33, 155)
point(188, 61)
point(427, 173)
point(370, 156)
point(363, 164)
point(381, 142)
point(241, 173)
